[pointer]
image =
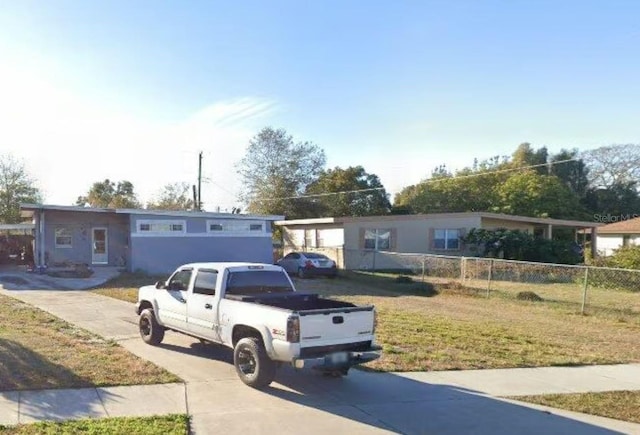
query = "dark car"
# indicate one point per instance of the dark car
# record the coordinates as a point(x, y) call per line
point(306, 264)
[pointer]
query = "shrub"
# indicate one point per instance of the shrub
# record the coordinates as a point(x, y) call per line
point(529, 296)
point(425, 289)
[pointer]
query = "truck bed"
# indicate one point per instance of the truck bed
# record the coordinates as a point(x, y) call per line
point(292, 301)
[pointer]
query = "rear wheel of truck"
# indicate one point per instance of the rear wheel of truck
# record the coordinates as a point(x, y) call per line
point(253, 365)
point(150, 330)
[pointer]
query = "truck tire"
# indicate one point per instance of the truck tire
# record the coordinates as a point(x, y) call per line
point(253, 365)
point(150, 330)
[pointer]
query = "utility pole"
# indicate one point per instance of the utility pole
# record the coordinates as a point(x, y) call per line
point(200, 181)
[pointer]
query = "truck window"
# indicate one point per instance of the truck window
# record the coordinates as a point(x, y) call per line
point(252, 282)
point(180, 280)
point(206, 282)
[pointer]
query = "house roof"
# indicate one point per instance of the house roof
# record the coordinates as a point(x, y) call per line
point(486, 215)
point(27, 211)
point(624, 226)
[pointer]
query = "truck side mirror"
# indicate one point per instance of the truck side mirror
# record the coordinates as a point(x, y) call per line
point(160, 285)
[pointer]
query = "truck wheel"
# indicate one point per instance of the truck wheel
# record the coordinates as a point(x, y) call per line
point(150, 330)
point(253, 365)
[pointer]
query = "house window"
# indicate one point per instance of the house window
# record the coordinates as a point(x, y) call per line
point(63, 237)
point(168, 226)
point(446, 239)
point(233, 226)
point(378, 239)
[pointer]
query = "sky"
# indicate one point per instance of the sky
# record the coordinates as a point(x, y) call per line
point(135, 90)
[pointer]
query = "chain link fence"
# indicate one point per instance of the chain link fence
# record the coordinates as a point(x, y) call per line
point(576, 288)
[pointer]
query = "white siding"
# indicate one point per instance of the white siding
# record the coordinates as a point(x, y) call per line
point(608, 243)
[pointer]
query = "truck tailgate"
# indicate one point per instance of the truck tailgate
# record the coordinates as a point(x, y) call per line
point(335, 326)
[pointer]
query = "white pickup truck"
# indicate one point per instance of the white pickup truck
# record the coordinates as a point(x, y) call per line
point(255, 310)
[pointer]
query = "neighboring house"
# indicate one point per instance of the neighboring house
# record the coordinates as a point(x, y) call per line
point(150, 240)
point(347, 240)
point(615, 235)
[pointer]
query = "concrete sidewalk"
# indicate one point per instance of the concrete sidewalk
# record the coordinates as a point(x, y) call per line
point(431, 402)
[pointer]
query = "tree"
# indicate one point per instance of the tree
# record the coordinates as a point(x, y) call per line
point(471, 189)
point(613, 165)
point(16, 186)
point(174, 196)
point(616, 200)
point(275, 170)
point(353, 178)
point(573, 174)
point(528, 193)
point(109, 194)
point(524, 155)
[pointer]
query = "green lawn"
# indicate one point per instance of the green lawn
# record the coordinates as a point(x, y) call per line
point(621, 405)
point(164, 425)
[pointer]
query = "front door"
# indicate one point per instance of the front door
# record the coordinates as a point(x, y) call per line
point(99, 246)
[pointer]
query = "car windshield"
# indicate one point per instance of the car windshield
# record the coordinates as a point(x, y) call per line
point(253, 282)
point(315, 256)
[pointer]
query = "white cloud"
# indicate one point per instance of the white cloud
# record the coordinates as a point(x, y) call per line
point(68, 142)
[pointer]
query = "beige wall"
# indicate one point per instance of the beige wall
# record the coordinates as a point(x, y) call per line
point(494, 224)
point(411, 236)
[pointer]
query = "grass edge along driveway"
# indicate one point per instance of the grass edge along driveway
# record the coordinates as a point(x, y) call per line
point(41, 351)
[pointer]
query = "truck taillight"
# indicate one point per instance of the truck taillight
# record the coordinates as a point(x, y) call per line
point(293, 329)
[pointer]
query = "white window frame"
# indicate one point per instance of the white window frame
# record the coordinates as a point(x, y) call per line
point(378, 232)
point(242, 227)
point(70, 236)
point(446, 239)
point(158, 224)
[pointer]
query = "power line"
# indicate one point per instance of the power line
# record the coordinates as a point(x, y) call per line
point(499, 171)
point(427, 181)
point(315, 195)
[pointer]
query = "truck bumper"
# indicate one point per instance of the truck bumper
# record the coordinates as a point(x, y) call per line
point(339, 360)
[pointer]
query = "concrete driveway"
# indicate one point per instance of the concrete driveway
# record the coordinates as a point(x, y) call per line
point(308, 402)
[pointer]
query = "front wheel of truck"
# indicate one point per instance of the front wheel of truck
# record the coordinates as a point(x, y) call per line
point(150, 330)
point(253, 365)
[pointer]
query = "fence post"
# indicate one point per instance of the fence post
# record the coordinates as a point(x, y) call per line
point(423, 267)
point(489, 276)
point(463, 272)
point(373, 266)
point(585, 286)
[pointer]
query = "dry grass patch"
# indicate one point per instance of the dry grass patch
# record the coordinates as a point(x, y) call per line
point(160, 425)
point(460, 329)
point(621, 405)
point(38, 350)
point(125, 286)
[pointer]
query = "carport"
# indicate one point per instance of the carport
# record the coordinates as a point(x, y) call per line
point(16, 243)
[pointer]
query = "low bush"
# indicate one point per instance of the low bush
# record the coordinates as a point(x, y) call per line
point(529, 296)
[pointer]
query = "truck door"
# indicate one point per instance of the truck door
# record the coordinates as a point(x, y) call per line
point(202, 306)
point(173, 299)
